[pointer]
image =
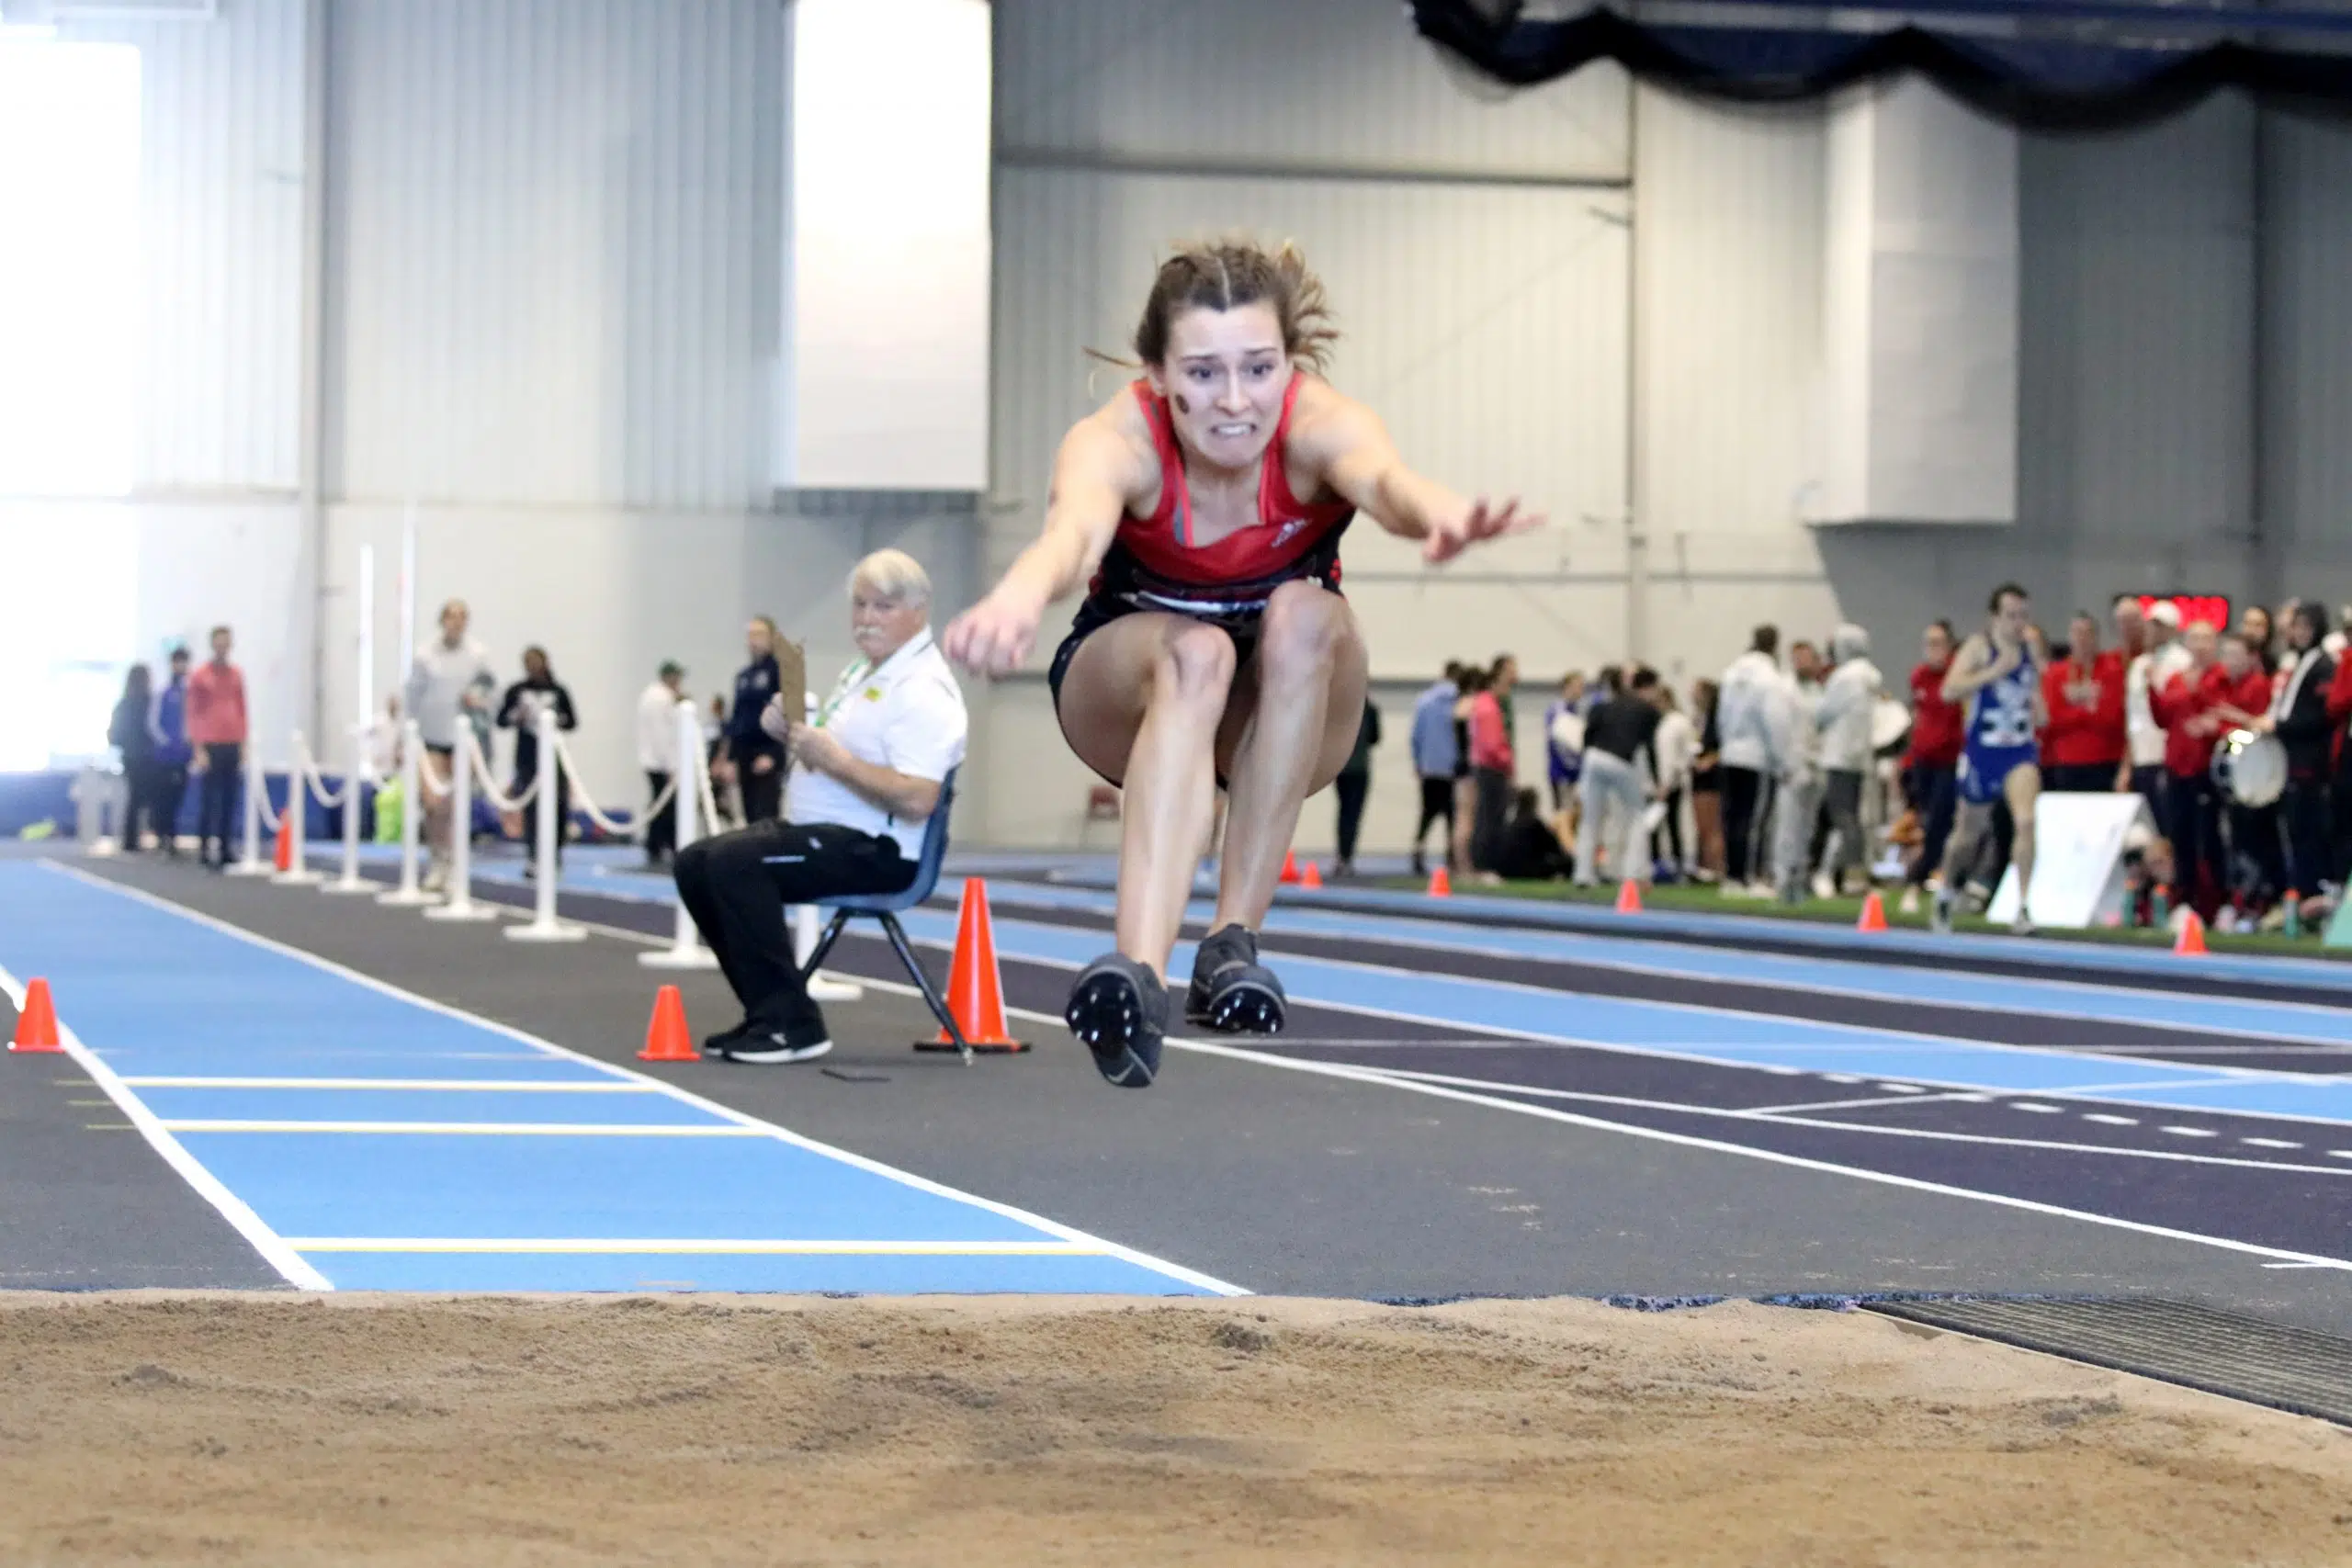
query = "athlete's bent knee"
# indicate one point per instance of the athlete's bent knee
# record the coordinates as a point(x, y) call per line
point(1303, 629)
point(1195, 666)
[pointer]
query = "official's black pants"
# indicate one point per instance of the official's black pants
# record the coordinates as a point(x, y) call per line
point(1351, 789)
point(1494, 814)
point(662, 828)
point(1743, 803)
point(2306, 813)
point(1437, 805)
point(217, 806)
point(737, 885)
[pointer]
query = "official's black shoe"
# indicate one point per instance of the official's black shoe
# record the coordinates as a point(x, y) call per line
point(767, 1044)
point(1232, 992)
point(1119, 1010)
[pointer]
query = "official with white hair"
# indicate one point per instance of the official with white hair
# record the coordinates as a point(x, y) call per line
point(1848, 698)
point(865, 777)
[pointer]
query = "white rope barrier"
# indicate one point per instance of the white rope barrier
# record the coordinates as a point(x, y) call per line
point(460, 869)
point(544, 926)
point(489, 786)
point(685, 950)
point(619, 827)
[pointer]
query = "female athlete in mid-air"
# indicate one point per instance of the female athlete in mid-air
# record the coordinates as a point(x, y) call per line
point(1202, 509)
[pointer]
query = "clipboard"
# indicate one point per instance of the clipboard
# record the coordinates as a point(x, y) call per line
point(792, 679)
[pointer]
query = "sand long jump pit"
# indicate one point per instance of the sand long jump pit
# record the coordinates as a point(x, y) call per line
point(279, 1430)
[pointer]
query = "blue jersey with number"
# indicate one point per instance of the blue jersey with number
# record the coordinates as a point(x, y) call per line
point(1999, 738)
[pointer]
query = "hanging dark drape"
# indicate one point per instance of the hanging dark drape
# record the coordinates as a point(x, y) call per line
point(2033, 83)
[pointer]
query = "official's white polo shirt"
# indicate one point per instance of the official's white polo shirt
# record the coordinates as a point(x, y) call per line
point(907, 713)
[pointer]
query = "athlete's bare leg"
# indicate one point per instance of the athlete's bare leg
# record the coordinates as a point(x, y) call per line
point(2022, 788)
point(1141, 703)
point(1286, 735)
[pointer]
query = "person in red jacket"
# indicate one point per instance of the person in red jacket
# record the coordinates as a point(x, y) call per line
point(1930, 764)
point(2083, 693)
point(217, 728)
point(2212, 694)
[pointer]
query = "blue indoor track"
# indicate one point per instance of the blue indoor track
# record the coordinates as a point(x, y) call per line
point(364, 1138)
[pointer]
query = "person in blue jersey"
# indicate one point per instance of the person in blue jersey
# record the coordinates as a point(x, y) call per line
point(1997, 678)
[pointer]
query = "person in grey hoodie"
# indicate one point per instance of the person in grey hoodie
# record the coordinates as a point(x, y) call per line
point(450, 685)
point(1848, 698)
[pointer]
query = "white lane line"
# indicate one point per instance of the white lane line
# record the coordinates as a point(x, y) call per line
point(2189, 1132)
point(2340, 1153)
point(2271, 1143)
point(486, 1085)
point(1872, 1128)
point(904, 1178)
point(1772, 1156)
point(231, 1208)
point(1918, 1097)
point(2037, 1107)
point(2308, 1266)
point(1903, 1088)
point(2102, 1117)
point(541, 1246)
point(477, 1128)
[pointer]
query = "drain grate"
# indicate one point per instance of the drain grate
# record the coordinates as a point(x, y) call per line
point(2221, 1352)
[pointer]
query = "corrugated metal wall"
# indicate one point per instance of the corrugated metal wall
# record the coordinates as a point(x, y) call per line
point(220, 365)
point(2307, 352)
point(553, 232)
point(2136, 314)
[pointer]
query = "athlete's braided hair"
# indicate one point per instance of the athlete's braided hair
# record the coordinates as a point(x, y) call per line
point(1226, 273)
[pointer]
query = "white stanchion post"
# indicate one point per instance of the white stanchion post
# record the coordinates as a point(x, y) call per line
point(544, 926)
point(254, 862)
point(685, 950)
point(364, 709)
point(408, 895)
point(461, 905)
point(300, 874)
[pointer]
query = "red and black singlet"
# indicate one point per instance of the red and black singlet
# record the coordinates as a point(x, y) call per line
point(1153, 564)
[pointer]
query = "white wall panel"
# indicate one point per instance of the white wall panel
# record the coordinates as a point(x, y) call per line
point(1338, 84)
point(1486, 325)
point(552, 237)
point(221, 306)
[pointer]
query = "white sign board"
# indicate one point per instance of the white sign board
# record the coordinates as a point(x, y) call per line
point(2077, 860)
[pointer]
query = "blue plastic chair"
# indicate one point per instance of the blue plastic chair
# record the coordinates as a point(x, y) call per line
point(886, 907)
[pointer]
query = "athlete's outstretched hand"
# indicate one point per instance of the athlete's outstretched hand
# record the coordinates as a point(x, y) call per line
point(994, 637)
point(1449, 535)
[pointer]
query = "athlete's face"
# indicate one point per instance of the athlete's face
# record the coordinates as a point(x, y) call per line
point(1936, 645)
point(2011, 621)
point(1224, 381)
point(2199, 639)
point(2235, 659)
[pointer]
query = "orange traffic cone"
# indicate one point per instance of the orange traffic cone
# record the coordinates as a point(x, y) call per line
point(1440, 884)
point(666, 1037)
point(285, 838)
point(974, 989)
point(1290, 868)
point(1310, 875)
point(2190, 943)
point(1874, 913)
point(37, 1024)
point(1629, 897)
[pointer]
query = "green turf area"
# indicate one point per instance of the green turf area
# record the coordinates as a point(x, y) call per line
point(1704, 900)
